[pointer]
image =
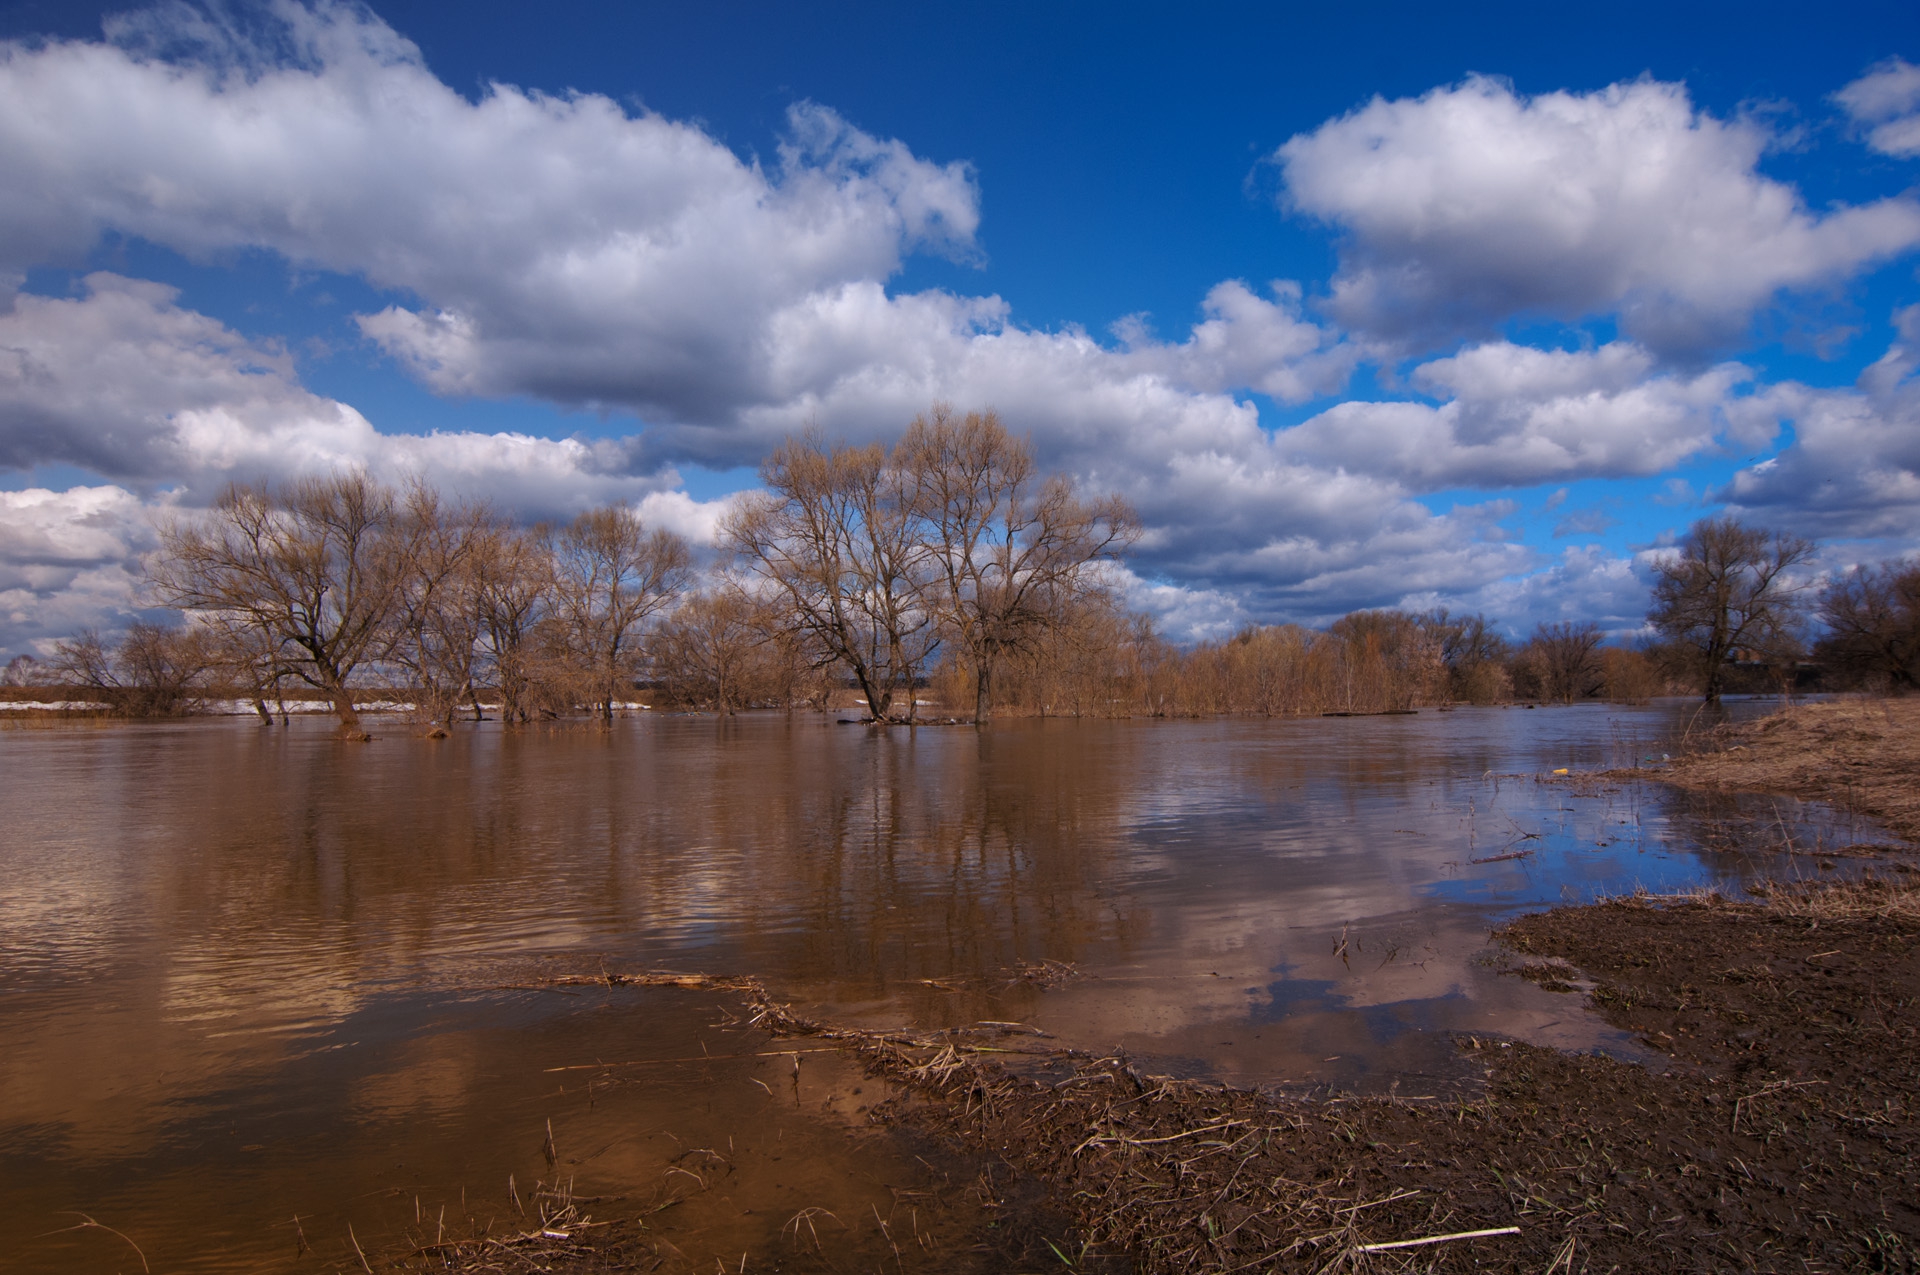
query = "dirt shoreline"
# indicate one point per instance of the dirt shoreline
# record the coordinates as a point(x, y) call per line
point(1780, 1134)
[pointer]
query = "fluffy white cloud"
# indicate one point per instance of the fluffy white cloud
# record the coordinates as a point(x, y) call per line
point(124, 382)
point(1515, 415)
point(68, 559)
point(1853, 468)
point(562, 247)
point(1886, 102)
point(1248, 342)
point(1585, 583)
point(559, 246)
point(1471, 204)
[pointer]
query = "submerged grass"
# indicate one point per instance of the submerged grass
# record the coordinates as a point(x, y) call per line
point(1861, 754)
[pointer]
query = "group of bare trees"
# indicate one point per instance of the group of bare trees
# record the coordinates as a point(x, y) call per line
point(946, 563)
point(875, 559)
point(856, 563)
point(325, 582)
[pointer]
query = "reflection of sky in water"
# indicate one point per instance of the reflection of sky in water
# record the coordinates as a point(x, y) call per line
point(206, 923)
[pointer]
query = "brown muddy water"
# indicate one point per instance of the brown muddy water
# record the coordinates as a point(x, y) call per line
point(267, 999)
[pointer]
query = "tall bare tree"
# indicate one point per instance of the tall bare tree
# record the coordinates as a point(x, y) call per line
point(610, 575)
point(1730, 588)
point(316, 568)
point(1475, 655)
point(1568, 659)
point(435, 632)
point(1010, 551)
point(1873, 623)
point(513, 594)
point(835, 537)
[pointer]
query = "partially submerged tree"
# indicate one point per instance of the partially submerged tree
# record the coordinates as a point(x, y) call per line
point(1567, 657)
point(1729, 589)
point(835, 540)
point(1011, 553)
point(314, 568)
point(610, 575)
point(513, 595)
point(721, 649)
point(435, 629)
point(1474, 654)
point(154, 671)
point(1873, 624)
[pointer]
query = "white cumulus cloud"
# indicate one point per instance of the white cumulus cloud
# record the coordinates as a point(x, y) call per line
point(124, 382)
point(1853, 468)
point(1514, 415)
point(1886, 103)
point(1472, 204)
point(68, 559)
point(561, 246)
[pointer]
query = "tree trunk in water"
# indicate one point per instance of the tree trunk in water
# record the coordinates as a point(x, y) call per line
point(878, 702)
point(983, 692)
point(343, 706)
point(1716, 676)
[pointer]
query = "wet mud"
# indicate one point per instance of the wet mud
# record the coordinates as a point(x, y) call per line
point(1774, 1132)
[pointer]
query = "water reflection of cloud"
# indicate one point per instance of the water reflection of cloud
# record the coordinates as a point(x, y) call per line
point(241, 892)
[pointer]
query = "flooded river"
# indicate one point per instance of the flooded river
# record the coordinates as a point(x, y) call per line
point(269, 1001)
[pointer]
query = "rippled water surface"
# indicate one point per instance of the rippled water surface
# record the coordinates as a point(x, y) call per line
point(252, 975)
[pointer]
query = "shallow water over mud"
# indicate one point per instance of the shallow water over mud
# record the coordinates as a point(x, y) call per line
point(249, 975)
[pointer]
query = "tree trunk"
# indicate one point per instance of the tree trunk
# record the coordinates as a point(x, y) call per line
point(343, 706)
point(878, 702)
point(983, 692)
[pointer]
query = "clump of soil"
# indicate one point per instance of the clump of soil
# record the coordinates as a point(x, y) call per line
point(1860, 754)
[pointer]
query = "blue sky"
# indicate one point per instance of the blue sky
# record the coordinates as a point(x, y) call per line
point(1371, 306)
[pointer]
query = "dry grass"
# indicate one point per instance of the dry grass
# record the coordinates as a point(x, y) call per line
point(1865, 899)
point(1860, 754)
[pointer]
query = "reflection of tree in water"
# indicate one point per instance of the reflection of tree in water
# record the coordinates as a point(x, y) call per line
point(952, 857)
point(836, 858)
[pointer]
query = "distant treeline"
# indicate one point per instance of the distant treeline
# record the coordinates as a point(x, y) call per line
point(944, 570)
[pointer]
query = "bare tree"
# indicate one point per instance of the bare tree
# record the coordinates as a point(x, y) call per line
point(834, 536)
point(1474, 654)
point(513, 595)
point(1729, 589)
point(1568, 661)
point(1873, 624)
point(1009, 551)
point(316, 568)
point(610, 575)
point(436, 627)
point(153, 672)
point(719, 648)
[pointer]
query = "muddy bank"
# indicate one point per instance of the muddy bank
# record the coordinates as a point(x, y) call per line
point(1781, 1137)
point(1778, 1134)
point(1860, 754)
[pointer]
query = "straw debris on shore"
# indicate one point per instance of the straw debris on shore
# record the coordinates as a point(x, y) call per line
point(1774, 1129)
